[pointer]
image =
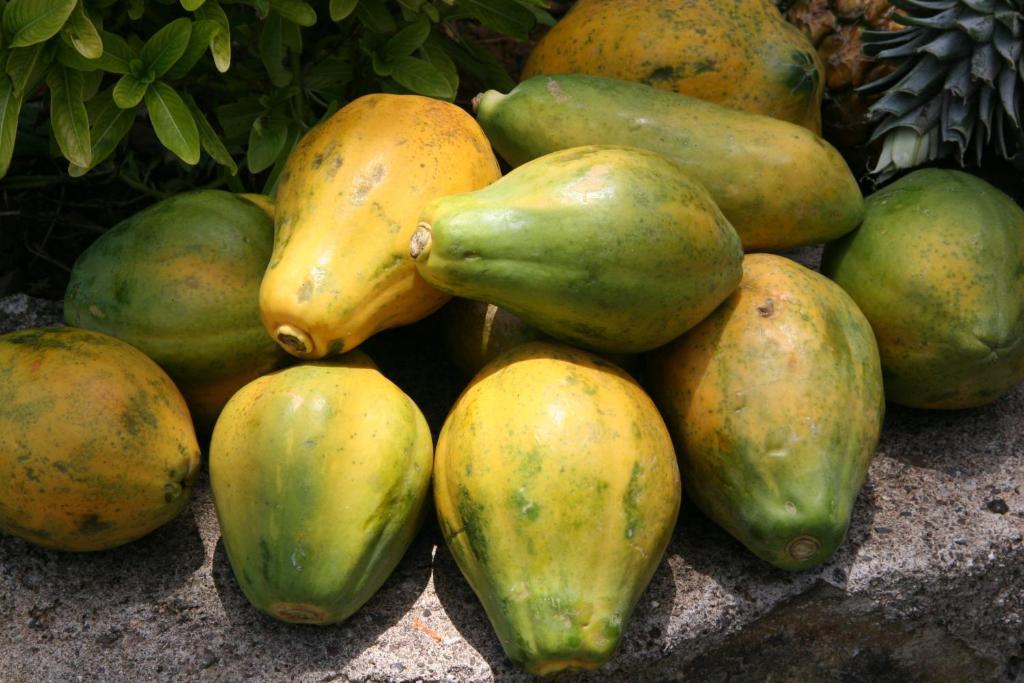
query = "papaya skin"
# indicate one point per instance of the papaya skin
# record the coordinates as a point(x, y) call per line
point(775, 404)
point(180, 282)
point(737, 54)
point(609, 248)
point(938, 269)
point(96, 444)
point(347, 203)
point(779, 184)
point(552, 448)
point(320, 475)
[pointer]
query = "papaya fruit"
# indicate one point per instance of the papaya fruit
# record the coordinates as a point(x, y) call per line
point(96, 445)
point(347, 203)
point(740, 54)
point(779, 184)
point(557, 491)
point(610, 248)
point(775, 404)
point(474, 333)
point(938, 269)
point(320, 475)
point(180, 281)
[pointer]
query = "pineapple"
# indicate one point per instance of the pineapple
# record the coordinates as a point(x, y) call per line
point(835, 28)
point(940, 79)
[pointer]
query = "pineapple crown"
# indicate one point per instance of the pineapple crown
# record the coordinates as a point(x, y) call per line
point(957, 87)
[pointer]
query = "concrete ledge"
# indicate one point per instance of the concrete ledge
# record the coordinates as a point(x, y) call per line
point(928, 586)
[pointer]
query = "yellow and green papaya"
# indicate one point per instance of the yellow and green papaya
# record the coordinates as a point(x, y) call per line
point(779, 184)
point(938, 269)
point(180, 281)
point(775, 404)
point(557, 491)
point(96, 444)
point(737, 53)
point(610, 248)
point(320, 475)
point(347, 202)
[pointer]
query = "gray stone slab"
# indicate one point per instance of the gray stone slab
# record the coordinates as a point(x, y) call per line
point(928, 586)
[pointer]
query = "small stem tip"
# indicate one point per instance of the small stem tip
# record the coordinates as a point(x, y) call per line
point(420, 242)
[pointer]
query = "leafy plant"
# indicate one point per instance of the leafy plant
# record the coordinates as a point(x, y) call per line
point(228, 82)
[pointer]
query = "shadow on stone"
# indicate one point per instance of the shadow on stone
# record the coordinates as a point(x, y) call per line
point(143, 571)
point(940, 439)
point(644, 632)
point(296, 648)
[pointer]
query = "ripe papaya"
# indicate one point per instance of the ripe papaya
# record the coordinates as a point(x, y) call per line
point(347, 203)
point(779, 184)
point(96, 445)
point(775, 405)
point(320, 474)
point(557, 490)
point(737, 53)
point(938, 269)
point(180, 281)
point(610, 248)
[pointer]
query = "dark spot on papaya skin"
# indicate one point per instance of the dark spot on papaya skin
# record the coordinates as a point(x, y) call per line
point(265, 558)
point(318, 161)
point(766, 309)
point(92, 524)
point(332, 169)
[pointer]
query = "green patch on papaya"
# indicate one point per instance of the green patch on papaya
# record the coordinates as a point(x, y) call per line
point(471, 514)
point(138, 415)
point(802, 75)
point(92, 524)
point(524, 507)
point(630, 501)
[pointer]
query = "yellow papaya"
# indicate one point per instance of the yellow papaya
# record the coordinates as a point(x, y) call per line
point(347, 204)
point(96, 444)
point(557, 489)
point(737, 53)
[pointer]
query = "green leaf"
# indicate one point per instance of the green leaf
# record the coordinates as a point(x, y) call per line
point(28, 22)
point(504, 16)
point(237, 118)
point(422, 77)
point(91, 81)
point(272, 51)
point(68, 116)
point(129, 91)
point(117, 54)
point(10, 108)
point(382, 66)
point(192, 5)
point(435, 54)
point(330, 72)
point(202, 35)
point(294, 134)
point(480, 65)
point(267, 138)
point(166, 46)
point(408, 40)
point(136, 8)
point(208, 138)
point(340, 9)
point(374, 15)
point(173, 122)
point(302, 13)
point(27, 66)
point(220, 43)
point(110, 125)
point(82, 33)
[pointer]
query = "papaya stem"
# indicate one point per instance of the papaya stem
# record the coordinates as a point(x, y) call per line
point(420, 242)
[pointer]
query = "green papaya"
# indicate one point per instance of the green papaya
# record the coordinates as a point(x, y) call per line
point(320, 475)
point(779, 184)
point(557, 489)
point(180, 281)
point(610, 248)
point(938, 269)
point(775, 404)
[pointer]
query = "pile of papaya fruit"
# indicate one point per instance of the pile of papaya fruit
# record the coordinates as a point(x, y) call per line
point(617, 298)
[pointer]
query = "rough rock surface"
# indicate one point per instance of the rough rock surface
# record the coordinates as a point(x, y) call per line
point(929, 585)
